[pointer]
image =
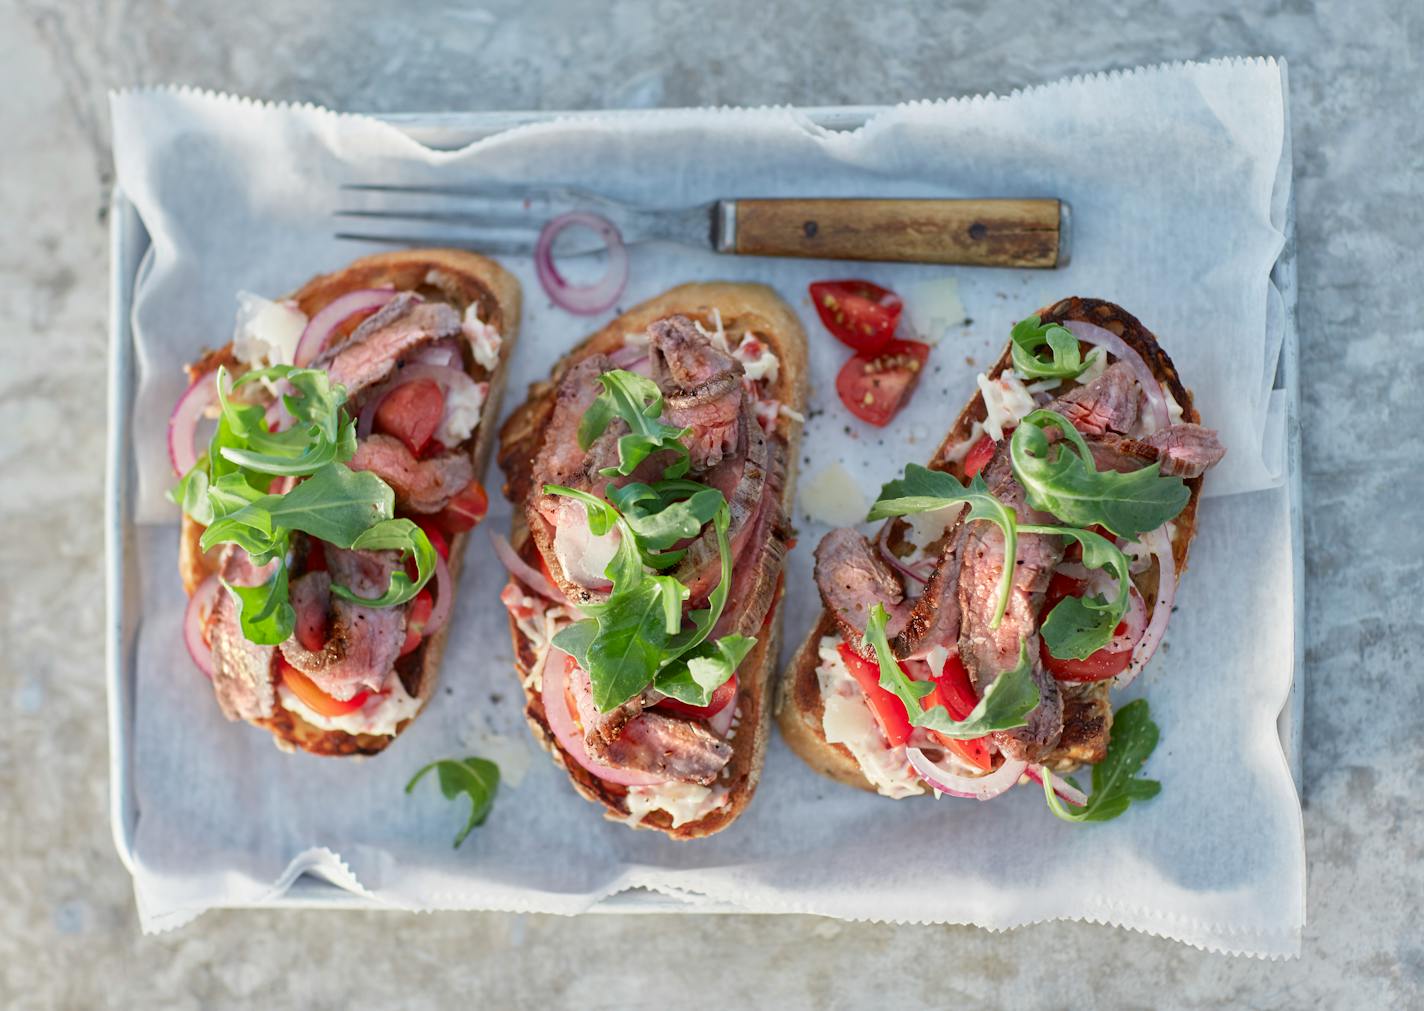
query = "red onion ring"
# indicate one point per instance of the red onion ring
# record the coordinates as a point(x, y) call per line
point(975, 787)
point(1060, 786)
point(584, 300)
point(1136, 618)
point(449, 380)
point(561, 722)
point(1161, 546)
point(628, 356)
point(523, 572)
point(444, 598)
point(332, 315)
point(200, 605)
point(183, 422)
point(1115, 345)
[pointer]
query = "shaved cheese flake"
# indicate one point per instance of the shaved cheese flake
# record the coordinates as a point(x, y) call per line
point(1006, 402)
point(832, 497)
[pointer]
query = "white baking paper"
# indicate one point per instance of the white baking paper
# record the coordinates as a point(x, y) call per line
point(1178, 178)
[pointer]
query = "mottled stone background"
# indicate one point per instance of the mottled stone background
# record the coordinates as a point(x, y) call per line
point(68, 931)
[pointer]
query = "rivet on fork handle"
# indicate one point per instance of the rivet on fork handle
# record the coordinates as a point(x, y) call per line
point(983, 233)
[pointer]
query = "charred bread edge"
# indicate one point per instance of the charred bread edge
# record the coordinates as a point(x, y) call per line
point(519, 441)
point(479, 279)
point(799, 706)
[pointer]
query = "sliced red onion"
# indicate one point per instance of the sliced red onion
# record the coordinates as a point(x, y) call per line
point(522, 571)
point(450, 380)
point(1061, 786)
point(200, 605)
point(628, 356)
point(561, 722)
point(975, 787)
point(183, 422)
point(909, 571)
point(278, 417)
point(444, 598)
point(720, 722)
point(332, 315)
point(1116, 346)
point(585, 300)
point(1161, 547)
point(1136, 619)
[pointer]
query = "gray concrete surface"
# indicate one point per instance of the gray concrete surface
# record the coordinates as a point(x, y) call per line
point(68, 932)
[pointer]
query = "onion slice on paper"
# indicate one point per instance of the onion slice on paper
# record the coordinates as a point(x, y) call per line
point(975, 787)
point(561, 722)
point(522, 571)
point(1161, 547)
point(183, 422)
point(332, 315)
point(200, 605)
point(584, 300)
point(1119, 348)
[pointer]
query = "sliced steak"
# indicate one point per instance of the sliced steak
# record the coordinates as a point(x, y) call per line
point(702, 388)
point(242, 670)
point(363, 642)
point(1107, 404)
point(1187, 450)
point(934, 620)
point(421, 486)
point(853, 578)
point(988, 652)
point(372, 352)
point(652, 742)
point(560, 459)
point(756, 571)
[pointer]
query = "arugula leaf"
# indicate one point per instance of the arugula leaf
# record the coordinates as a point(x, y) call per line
point(667, 512)
point(1063, 480)
point(628, 650)
point(395, 535)
point(1029, 335)
point(1006, 702)
point(1080, 626)
point(697, 674)
point(264, 612)
point(477, 778)
point(638, 402)
point(922, 489)
point(575, 639)
point(1115, 782)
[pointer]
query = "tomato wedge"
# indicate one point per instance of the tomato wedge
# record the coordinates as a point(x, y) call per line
point(859, 314)
point(1097, 666)
point(721, 699)
point(313, 697)
point(953, 691)
point(415, 619)
point(465, 510)
point(888, 710)
point(979, 456)
point(412, 413)
point(874, 387)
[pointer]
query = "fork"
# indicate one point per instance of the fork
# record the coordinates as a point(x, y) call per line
point(507, 220)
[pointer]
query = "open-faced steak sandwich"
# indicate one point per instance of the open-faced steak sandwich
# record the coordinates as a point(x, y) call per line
point(971, 643)
point(325, 521)
point(651, 477)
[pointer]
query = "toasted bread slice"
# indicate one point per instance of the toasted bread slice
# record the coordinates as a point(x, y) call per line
point(1087, 712)
point(448, 275)
point(743, 308)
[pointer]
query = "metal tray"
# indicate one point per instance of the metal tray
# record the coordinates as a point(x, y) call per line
point(129, 245)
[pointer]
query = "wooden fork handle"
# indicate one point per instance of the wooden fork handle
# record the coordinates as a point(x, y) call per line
point(980, 233)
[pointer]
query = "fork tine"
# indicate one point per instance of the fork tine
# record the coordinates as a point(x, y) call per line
point(489, 246)
point(527, 219)
point(502, 241)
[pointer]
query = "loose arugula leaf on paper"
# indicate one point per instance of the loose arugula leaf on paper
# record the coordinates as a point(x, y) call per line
point(476, 778)
point(1006, 702)
point(1061, 478)
point(1115, 781)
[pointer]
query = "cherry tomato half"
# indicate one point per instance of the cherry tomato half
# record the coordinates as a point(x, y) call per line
point(412, 413)
point(1098, 666)
point(875, 387)
point(313, 697)
point(721, 699)
point(859, 314)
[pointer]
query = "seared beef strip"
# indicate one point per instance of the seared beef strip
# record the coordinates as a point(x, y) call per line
point(363, 642)
point(853, 578)
point(934, 619)
point(421, 486)
point(372, 352)
point(702, 388)
point(1107, 404)
point(242, 670)
point(1187, 450)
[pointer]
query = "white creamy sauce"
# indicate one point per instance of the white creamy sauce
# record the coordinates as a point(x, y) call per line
point(757, 359)
point(831, 496)
point(463, 405)
point(961, 449)
point(484, 339)
point(1006, 401)
point(1174, 409)
point(582, 555)
point(379, 716)
point(848, 721)
point(1097, 364)
point(684, 802)
point(266, 332)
